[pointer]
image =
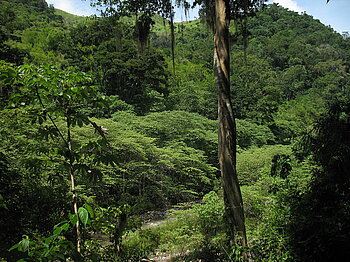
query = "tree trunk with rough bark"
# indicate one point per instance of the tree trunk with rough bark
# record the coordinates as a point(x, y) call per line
point(227, 126)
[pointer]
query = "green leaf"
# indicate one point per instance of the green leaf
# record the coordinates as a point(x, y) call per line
point(59, 228)
point(15, 246)
point(48, 240)
point(83, 215)
point(73, 219)
point(57, 231)
point(65, 226)
point(89, 209)
point(23, 244)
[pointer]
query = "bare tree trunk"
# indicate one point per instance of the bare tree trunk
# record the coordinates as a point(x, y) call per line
point(227, 125)
point(74, 193)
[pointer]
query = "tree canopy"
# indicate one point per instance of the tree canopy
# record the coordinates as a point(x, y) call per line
point(96, 129)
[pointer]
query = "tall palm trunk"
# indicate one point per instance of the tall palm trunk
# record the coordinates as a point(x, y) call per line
point(227, 125)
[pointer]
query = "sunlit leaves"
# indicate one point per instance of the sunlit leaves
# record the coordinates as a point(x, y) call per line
point(47, 94)
point(7, 75)
point(59, 92)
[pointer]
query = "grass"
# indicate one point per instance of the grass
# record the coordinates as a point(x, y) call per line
point(70, 19)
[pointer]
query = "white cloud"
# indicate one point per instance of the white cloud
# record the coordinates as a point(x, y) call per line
point(290, 4)
point(77, 7)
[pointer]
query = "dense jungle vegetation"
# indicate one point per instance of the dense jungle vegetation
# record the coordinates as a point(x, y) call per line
point(95, 118)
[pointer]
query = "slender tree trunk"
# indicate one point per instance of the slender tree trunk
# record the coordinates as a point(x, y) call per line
point(227, 125)
point(172, 29)
point(118, 233)
point(74, 193)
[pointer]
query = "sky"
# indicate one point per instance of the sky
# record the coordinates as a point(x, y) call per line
point(335, 13)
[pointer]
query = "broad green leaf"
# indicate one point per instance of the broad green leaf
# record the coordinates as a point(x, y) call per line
point(83, 215)
point(89, 209)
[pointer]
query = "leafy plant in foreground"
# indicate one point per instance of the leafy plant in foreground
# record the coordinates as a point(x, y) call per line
point(56, 246)
point(49, 95)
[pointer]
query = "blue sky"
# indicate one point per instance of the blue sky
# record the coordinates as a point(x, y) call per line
point(335, 13)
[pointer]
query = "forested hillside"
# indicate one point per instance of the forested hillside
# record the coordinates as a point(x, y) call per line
point(101, 127)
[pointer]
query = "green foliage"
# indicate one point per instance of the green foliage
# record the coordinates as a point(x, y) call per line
point(286, 56)
point(192, 89)
point(68, 18)
point(254, 93)
point(176, 127)
point(139, 172)
point(17, 16)
point(210, 215)
point(83, 215)
point(35, 196)
point(281, 178)
point(193, 130)
point(190, 234)
point(54, 247)
point(115, 104)
point(154, 158)
point(57, 92)
point(180, 235)
point(250, 134)
point(57, 245)
point(320, 215)
point(192, 45)
point(296, 116)
point(140, 245)
point(7, 78)
point(254, 162)
point(106, 48)
point(157, 174)
point(138, 79)
point(107, 219)
point(133, 170)
point(44, 93)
